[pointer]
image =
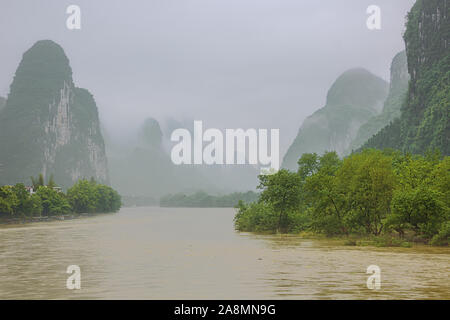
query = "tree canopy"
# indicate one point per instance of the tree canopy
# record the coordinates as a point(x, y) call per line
point(369, 193)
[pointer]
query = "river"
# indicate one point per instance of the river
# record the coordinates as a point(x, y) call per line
point(178, 253)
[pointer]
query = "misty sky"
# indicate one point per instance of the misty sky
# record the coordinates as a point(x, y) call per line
point(231, 63)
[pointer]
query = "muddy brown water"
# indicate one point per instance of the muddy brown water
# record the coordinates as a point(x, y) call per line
point(180, 253)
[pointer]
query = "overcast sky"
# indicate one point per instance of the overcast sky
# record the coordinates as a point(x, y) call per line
point(231, 63)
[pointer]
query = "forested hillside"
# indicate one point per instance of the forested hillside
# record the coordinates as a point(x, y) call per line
point(392, 106)
point(425, 118)
point(355, 97)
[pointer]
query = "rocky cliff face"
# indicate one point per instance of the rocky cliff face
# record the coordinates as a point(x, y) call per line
point(48, 125)
point(425, 118)
point(392, 106)
point(355, 97)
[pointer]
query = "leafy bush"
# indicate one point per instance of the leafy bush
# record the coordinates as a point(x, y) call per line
point(256, 217)
point(443, 236)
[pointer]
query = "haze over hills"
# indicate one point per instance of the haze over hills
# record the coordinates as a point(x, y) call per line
point(2, 103)
point(416, 113)
point(144, 168)
point(355, 97)
point(392, 106)
point(425, 118)
point(48, 125)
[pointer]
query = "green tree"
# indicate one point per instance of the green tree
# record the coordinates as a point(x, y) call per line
point(51, 182)
point(282, 191)
point(372, 193)
point(53, 202)
point(421, 201)
point(108, 199)
point(86, 196)
point(443, 236)
point(41, 180)
point(83, 196)
point(371, 185)
point(16, 200)
point(22, 196)
point(419, 209)
point(8, 200)
point(37, 182)
point(440, 180)
point(5, 207)
point(33, 206)
point(255, 217)
point(308, 164)
point(324, 199)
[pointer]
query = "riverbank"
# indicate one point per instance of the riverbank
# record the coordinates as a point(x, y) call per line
point(382, 241)
point(27, 220)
